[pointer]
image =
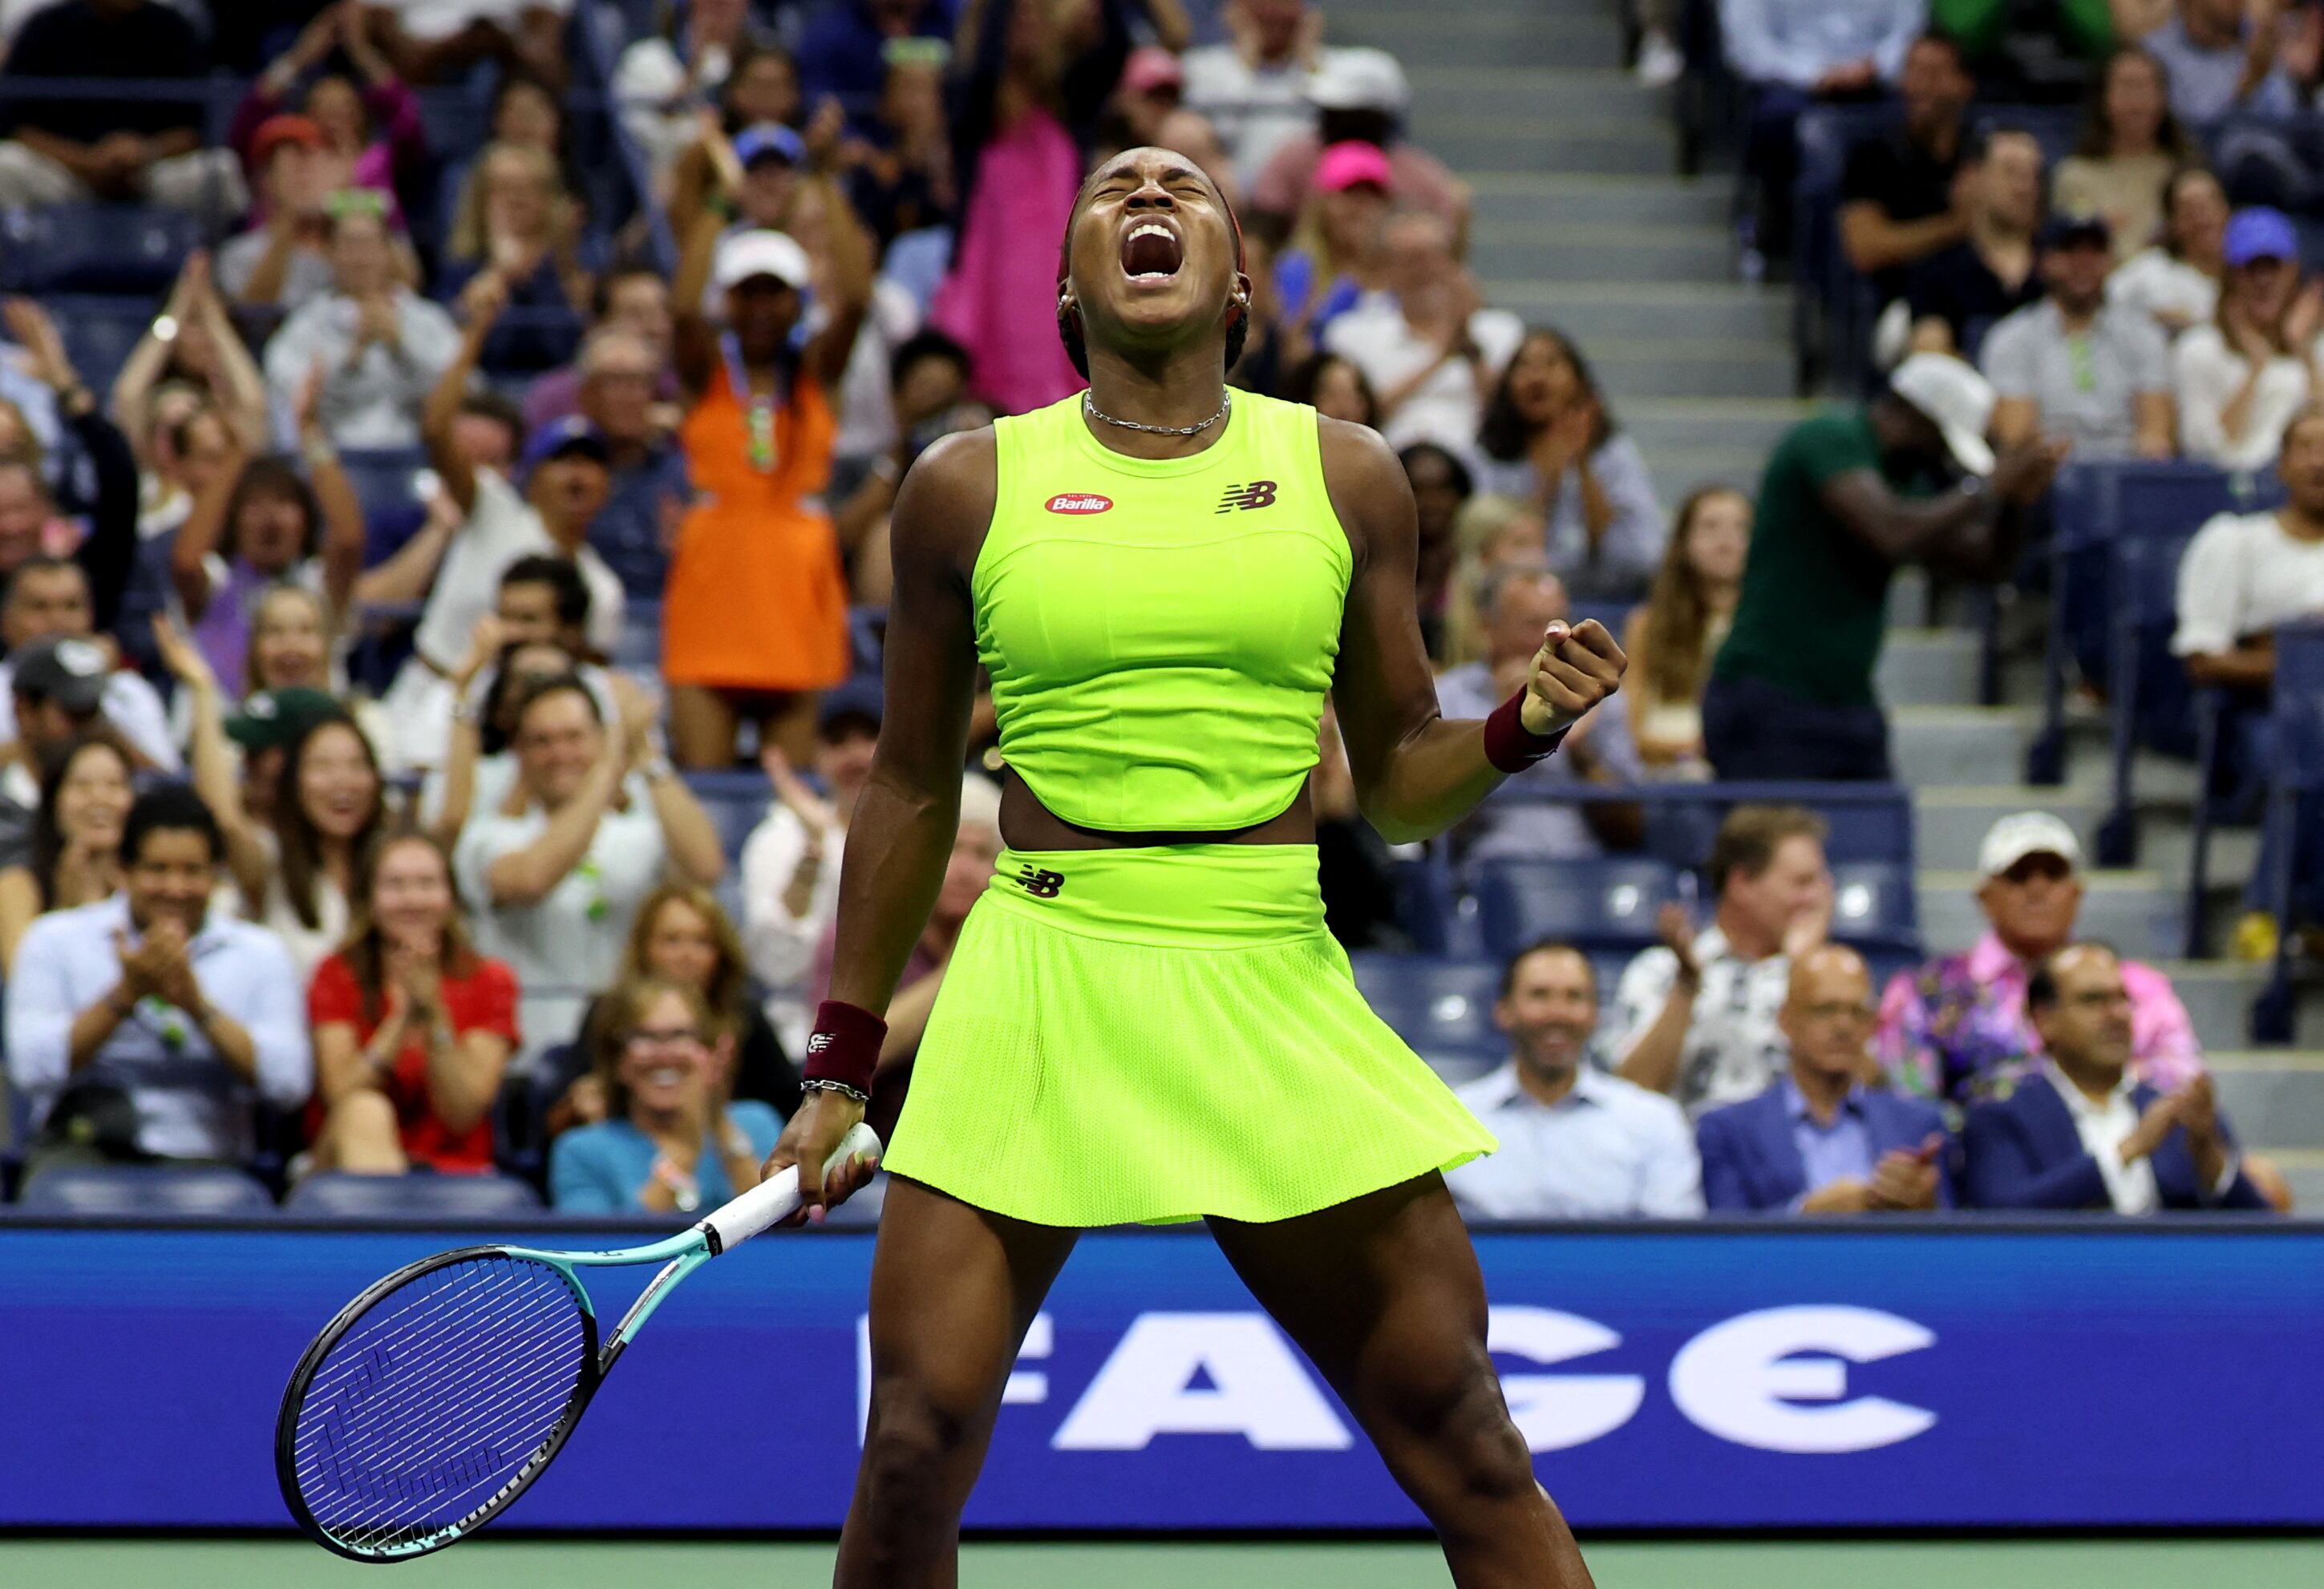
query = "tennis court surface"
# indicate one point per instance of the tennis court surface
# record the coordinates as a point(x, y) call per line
point(484, 1564)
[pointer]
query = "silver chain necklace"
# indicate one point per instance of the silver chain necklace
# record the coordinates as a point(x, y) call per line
point(1089, 406)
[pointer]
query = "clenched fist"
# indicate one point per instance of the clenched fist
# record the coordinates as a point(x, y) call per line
point(1577, 666)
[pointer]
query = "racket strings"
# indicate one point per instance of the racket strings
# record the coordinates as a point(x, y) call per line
point(436, 1398)
point(432, 1441)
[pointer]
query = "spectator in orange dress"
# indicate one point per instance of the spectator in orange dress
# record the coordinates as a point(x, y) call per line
point(412, 1027)
point(754, 616)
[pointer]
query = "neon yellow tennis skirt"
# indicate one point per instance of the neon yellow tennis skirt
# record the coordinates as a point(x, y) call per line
point(1152, 1035)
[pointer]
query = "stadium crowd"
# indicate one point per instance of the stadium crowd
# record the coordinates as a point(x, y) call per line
point(441, 647)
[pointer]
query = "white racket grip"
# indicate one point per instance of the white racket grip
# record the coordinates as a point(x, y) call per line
point(774, 1200)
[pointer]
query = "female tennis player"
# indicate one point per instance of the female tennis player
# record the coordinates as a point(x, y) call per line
point(1144, 1019)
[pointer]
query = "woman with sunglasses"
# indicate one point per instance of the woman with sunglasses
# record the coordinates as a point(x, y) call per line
point(674, 1143)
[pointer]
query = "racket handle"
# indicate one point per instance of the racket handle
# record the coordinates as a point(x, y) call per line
point(777, 1199)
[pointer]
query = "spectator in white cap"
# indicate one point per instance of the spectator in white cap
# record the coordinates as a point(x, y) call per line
point(1360, 96)
point(1848, 497)
point(759, 435)
point(1954, 1028)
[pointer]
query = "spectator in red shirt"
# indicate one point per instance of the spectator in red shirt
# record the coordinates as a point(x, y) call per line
point(412, 1027)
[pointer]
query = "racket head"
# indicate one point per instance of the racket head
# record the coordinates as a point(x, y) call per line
point(434, 1400)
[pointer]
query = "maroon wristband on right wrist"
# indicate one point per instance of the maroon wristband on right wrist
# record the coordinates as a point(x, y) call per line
point(845, 1044)
point(1509, 745)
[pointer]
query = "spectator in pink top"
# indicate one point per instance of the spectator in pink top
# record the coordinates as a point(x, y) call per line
point(369, 121)
point(1360, 97)
point(1956, 1028)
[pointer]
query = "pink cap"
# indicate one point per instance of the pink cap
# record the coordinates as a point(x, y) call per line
point(1151, 67)
point(1344, 165)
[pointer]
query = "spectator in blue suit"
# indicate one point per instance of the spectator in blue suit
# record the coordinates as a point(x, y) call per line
point(2078, 1132)
point(1819, 1141)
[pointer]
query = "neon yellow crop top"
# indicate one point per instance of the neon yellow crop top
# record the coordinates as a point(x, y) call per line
point(1160, 632)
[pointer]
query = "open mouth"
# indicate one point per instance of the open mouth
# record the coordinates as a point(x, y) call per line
point(1151, 253)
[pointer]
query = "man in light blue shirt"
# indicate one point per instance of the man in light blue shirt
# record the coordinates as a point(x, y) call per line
point(1576, 1142)
point(192, 1016)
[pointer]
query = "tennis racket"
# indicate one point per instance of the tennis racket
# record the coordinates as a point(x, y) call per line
point(437, 1396)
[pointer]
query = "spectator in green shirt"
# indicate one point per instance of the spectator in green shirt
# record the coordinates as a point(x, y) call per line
point(1848, 497)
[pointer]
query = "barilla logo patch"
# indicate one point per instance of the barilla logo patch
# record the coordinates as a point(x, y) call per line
point(1079, 502)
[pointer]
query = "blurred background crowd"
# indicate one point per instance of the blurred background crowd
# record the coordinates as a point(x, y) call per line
point(446, 454)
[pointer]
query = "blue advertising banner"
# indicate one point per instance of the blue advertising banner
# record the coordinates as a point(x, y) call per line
point(1671, 1378)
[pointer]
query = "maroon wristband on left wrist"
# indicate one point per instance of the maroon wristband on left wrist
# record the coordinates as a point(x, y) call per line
point(1509, 745)
point(845, 1045)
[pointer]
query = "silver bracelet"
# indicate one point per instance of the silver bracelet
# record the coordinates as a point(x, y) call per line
point(826, 1084)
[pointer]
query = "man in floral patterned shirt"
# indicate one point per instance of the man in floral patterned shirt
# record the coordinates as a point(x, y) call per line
point(1956, 1030)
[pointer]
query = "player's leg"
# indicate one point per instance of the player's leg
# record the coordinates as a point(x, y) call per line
point(1383, 1294)
point(954, 1289)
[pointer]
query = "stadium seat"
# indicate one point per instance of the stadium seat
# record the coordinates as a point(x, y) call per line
point(2152, 704)
point(736, 800)
point(387, 483)
point(2093, 506)
point(113, 248)
point(1832, 305)
point(143, 1190)
point(639, 646)
point(1437, 1005)
point(1426, 905)
point(1873, 906)
point(332, 1195)
point(2295, 779)
point(100, 332)
point(1589, 904)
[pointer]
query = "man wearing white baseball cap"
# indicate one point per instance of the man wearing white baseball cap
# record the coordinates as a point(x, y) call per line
point(1848, 497)
point(1956, 1029)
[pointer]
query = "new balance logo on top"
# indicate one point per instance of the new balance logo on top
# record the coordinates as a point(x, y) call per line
point(1259, 493)
point(1039, 884)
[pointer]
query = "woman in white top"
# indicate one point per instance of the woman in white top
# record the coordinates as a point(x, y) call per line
point(1673, 636)
point(2240, 380)
point(2129, 145)
point(2177, 280)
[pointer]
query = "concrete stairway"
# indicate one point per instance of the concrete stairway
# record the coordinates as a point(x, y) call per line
point(1578, 222)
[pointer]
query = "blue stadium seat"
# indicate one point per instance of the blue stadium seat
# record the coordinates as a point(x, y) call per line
point(2295, 785)
point(1437, 1005)
point(736, 800)
point(139, 1189)
point(2093, 506)
point(114, 248)
point(1589, 904)
point(1873, 906)
point(100, 331)
point(2151, 704)
point(639, 646)
point(387, 484)
point(331, 1195)
point(1425, 907)
point(1832, 305)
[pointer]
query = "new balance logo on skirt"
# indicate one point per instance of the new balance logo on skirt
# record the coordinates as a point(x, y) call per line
point(1259, 493)
point(1039, 884)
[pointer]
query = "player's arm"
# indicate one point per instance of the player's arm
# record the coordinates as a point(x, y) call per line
point(901, 834)
point(1415, 773)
